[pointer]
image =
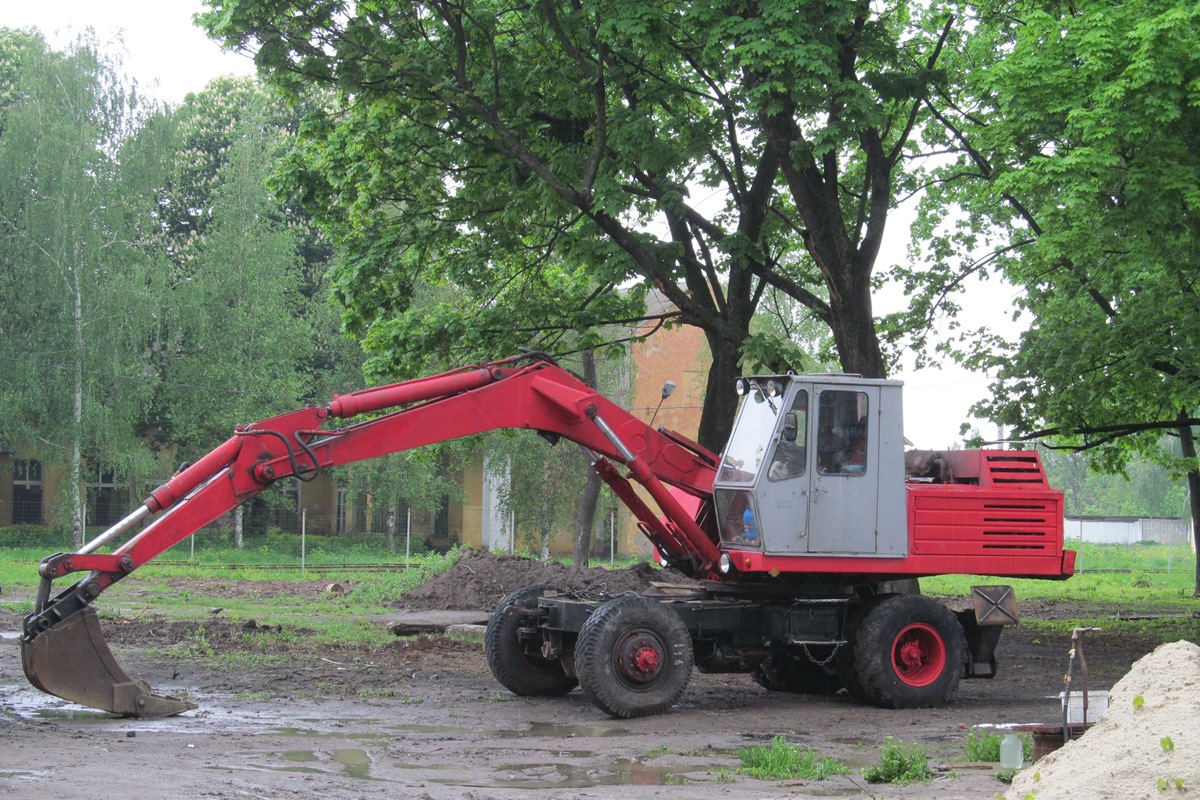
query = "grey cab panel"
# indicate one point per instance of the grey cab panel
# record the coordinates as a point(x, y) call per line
point(815, 466)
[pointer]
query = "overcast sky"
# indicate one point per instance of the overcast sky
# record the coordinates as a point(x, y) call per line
point(162, 49)
point(169, 57)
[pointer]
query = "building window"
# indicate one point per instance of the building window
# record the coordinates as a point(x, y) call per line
point(107, 500)
point(441, 522)
point(340, 515)
point(27, 492)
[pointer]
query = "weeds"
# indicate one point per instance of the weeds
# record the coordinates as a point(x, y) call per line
point(899, 763)
point(983, 745)
point(783, 761)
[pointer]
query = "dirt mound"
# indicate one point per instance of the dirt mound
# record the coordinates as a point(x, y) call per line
point(1145, 745)
point(480, 580)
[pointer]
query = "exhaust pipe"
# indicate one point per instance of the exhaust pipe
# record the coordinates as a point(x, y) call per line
point(72, 660)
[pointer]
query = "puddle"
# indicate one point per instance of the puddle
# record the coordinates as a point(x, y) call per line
point(347, 762)
point(310, 733)
point(563, 731)
point(10, 635)
point(855, 740)
point(535, 729)
point(18, 775)
point(355, 763)
point(573, 776)
point(832, 791)
point(73, 713)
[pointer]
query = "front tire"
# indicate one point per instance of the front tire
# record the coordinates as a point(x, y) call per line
point(633, 657)
point(909, 652)
point(518, 670)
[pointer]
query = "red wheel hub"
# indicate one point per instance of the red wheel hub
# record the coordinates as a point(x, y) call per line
point(639, 657)
point(918, 654)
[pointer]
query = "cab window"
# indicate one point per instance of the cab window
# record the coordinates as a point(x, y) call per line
point(790, 455)
point(842, 430)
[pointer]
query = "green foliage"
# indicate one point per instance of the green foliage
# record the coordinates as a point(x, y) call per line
point(899, 763)
point(782, 760)
point(984, 745)
point(1146, 489)
point(493, 174)
point(1080, 175)
point(37, 537)
point(77, 189)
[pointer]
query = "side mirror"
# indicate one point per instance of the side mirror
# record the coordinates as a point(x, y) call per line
point(790, 427)
point(667, 390)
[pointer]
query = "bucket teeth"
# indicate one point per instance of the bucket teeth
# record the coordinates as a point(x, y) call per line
point(71, 660)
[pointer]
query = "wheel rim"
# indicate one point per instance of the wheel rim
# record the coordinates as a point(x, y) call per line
point(639, 658)
point(918, 654)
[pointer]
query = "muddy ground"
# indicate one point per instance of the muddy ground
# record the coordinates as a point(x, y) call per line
point(423, 717)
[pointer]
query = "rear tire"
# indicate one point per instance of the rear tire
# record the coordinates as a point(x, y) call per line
point(633, 657)
point(909, 652)
point(521, 672)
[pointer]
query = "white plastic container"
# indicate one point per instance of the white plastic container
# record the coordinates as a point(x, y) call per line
point(1012, 753)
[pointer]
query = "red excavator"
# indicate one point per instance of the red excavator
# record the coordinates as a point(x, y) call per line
point(795, 539)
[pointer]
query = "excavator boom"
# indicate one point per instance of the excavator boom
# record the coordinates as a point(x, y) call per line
point(63, 651)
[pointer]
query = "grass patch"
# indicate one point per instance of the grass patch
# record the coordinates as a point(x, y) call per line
point(899, 763)
point(984, 745)
point(1135, 587)
point(782, 760)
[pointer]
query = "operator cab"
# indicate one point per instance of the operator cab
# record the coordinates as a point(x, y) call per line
point(815, 465)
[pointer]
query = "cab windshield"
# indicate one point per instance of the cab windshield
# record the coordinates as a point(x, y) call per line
point(751, 435)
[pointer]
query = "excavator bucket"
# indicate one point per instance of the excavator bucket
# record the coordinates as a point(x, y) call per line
point(71, 660)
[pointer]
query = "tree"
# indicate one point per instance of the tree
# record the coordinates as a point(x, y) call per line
point(1081, 146)
point(237, 313)
point(546, 154)
point(74, 266)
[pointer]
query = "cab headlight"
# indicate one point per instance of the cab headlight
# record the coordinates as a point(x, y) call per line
point(725, 563)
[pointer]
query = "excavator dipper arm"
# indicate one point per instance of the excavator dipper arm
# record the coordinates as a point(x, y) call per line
point(63, 652)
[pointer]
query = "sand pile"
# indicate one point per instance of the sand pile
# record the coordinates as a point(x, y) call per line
point(1141, 748)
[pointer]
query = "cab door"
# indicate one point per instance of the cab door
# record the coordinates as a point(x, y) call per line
point(782, 488)
point(843, 503)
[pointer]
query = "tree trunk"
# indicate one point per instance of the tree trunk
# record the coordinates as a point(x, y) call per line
point(585, 511)
point(853, 323)
point(1188, 443)
point(544, 518)
point(389, 535)
point(585, 519)
point(238, 537)
point(78, 491)
point(720, 396)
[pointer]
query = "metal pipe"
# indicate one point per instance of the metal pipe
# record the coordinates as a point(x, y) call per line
point(627, 456)
point(115, 531)
point(693, 538)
